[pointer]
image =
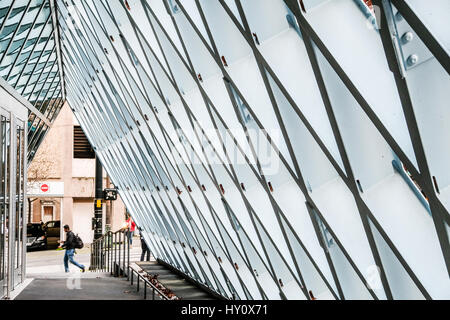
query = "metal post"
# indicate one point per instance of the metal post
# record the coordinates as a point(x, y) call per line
point(111, 246)
point(95, 256)
point(125, 244)
point(12, 213)
point(102, 257)
point(115, 255)
point(106, 249)
point(103, 253)
point(98, 211)
point(25, 202)
point(120, 248)
point(145, 290)
point(124, 253)
point(91, 266)
point(99, 252)
point(107, 252)
point(105, 262)
point(94, 261)
point(128, 262)
point(98, 255)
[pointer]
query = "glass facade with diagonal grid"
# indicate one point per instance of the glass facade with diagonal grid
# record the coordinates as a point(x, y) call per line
point(268, 149)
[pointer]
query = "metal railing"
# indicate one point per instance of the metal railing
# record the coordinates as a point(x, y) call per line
point(155, 291)
point(111, 253)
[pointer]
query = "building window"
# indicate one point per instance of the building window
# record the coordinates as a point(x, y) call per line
point(47, 213)
point(82, 149)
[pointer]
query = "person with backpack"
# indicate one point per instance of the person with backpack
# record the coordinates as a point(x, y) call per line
point(72, 242)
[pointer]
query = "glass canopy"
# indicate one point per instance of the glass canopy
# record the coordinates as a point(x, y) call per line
point(29, 62)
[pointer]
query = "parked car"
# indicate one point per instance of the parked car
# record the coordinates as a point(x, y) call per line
point(43, 236)
point(36, 238)
point(53, 233)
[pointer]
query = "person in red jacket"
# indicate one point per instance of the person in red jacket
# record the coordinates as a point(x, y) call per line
point(131, 227)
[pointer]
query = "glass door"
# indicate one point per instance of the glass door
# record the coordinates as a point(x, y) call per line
point(12, 196)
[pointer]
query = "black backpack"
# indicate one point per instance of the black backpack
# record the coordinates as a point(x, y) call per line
point(78, 242)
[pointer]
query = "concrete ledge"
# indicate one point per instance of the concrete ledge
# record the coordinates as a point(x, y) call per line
point(20, 288)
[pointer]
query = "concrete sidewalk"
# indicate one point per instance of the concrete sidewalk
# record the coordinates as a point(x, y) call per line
point(102, 287)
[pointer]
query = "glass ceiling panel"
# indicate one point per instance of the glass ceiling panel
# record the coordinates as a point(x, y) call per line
point(29, 60)
point(5, 6)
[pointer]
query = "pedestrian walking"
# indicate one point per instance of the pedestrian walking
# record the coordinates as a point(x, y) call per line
point(70, 245)
point(131, 227)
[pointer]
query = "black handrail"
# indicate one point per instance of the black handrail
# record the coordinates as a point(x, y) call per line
point(155, 290)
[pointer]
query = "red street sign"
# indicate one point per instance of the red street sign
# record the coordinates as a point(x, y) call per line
point(44, 188)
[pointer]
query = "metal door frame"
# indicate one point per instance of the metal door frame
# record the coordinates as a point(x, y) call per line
point(4, 266)
point(16, 275)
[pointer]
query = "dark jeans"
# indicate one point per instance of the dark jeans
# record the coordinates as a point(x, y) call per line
point(145, 251)
point(68, 257)
point(130, 235)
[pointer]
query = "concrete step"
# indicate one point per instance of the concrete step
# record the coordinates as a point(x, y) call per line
point(179, 286)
